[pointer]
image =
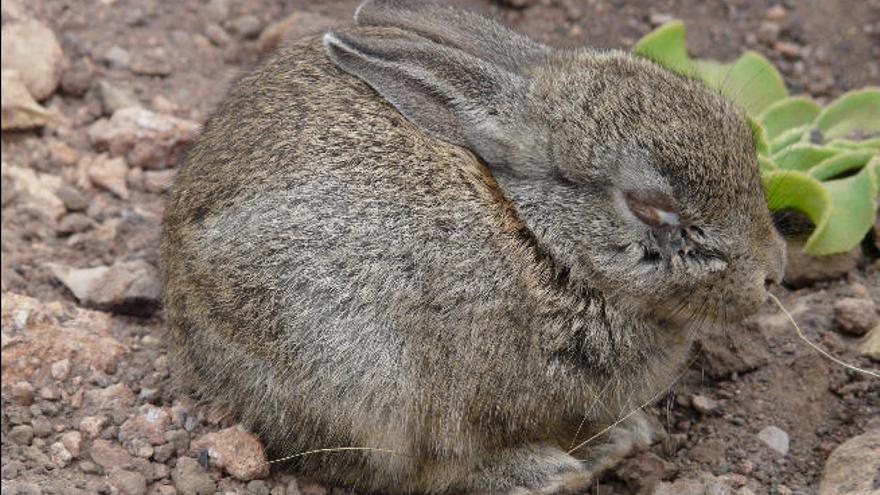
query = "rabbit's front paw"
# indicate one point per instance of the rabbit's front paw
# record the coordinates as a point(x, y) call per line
point(529, 470)
point(629, 436)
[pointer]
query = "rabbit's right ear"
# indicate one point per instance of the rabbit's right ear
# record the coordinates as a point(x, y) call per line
point(455, 96)
point(470, 32)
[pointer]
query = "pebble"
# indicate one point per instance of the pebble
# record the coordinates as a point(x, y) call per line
point(61, 154)
point(22, 434)
point(109, 174)
point(658, 19)
point(73, 223)
point(31, 48)
point(114, 98)
point(217, 10)
point(10, 470)
point(117, 58)
point(776, 13)
point(42, 426)
point(775, 438)
point(158, 181)
point(853, 466)
point(72, 441)
point(109, 455)
point(147, 139)
point(71, 197)
point(258, 487)
point(59, 454)
point(180, 440)
point(91, 426)
point(246, 26)
point(237, 451)
point(126, 287)
point(149, 424)
point(190, 479)
point(77, 78)
point(788, 49)
point(703, 404)
point(23, 392)
point(217, 34)
point(20, 110)
point(855, 316)
point(128, 482)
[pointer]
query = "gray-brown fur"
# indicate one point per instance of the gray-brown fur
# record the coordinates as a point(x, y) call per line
point(338, 276)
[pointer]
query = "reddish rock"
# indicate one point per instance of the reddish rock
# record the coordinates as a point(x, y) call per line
point(128, 287)
point(149, 425)
point(52, 332)
point(146, 139)
point(31, 48)
point(237, 451)
point(855, 316)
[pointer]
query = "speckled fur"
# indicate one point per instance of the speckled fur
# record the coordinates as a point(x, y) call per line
point(337, 276)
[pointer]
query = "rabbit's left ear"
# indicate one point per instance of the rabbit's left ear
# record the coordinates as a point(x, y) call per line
point(450, 94)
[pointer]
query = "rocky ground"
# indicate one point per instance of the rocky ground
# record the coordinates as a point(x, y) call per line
point(99, 100)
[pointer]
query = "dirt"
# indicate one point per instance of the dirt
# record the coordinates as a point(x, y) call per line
point(82, 386)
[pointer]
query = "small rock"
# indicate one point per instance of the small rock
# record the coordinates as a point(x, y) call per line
point(768, 32)
point(109, 174)
point(117, 58)
point(61, 154)
point(72, 441)
point(32, 49)
point(246, 26)
point(77, 78)
point(703, 484)
point(112, 398)
point(91, 426)
point(855, 316)
point(236, 450)
point(149, 425)
point(217, 34)
point(643, 471)
point(870, 348)
point(42, 426)
point(787, 49)
point(147, 139)
point(294, 26)
point(163, 452)
point(128, 482)
point(23, 392)
point(703, 404)
point(258, 487)
point(853, 466)
point(60, 369)
point(151, 64)
point(775, 438)
point(776, 13)
point(10, 470)
point(127, 287)
point(658, 19)
point(802, 270)
point(180, 440)
point(19, 109)
point(114, 98)
point(190, 479)
point(217, 10)
point(73, 223)
point(109, 455)
point(158, 181)
point(22, 434)
point(59, 454)
point(71, 197)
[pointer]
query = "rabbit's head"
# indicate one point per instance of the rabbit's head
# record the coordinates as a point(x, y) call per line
point(634, 181)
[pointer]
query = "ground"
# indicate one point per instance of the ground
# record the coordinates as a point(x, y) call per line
point(88, 401)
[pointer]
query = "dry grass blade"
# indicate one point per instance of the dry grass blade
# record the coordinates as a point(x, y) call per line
point(816, 347)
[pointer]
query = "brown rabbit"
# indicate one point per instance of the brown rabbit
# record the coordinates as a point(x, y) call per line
point(430, 235)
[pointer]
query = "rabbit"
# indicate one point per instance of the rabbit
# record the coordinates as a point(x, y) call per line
point(449, 254)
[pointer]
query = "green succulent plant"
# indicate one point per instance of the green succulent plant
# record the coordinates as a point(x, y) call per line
point(824, 162)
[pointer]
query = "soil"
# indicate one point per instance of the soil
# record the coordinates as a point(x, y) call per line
point(743, 378)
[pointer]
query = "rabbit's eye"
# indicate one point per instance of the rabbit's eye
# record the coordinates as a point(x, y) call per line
point(652, 207)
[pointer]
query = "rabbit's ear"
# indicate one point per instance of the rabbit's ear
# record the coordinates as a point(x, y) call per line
point(467, 31)
point(446, 92)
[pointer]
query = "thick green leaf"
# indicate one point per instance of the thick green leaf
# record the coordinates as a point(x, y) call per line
point(789, 137)
point(853, 207)
point(855, 112)
point(803, 156)
point(666, 46)
point(846, 144)
point(760, 136)
point(766, 165)
point(797, 190)
point(753, 83)
point(787, 114)
point(840, 163)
